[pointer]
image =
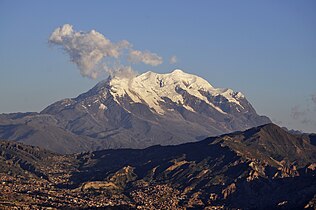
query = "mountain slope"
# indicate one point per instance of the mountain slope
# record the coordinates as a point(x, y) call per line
point(44, 131)
point(274, 145)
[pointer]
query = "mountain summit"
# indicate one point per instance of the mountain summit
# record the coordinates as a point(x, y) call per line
point(138, 112)
point(154, 89)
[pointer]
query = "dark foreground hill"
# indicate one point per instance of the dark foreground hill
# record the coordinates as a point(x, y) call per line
point(262, 168)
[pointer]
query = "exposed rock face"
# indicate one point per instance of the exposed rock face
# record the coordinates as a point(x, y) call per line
point(147, 110)
point(230, 189)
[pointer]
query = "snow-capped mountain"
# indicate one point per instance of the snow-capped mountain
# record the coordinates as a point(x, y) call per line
point(154, 109)
point(145, 110)
point(154, 89)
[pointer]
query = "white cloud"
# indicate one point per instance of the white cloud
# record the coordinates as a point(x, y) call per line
point(314, 98)
point(304, 114)
point(136, 56)
point(173, 59)
point(95, 55)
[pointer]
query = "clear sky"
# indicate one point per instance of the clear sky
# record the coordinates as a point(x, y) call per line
point(265, 49)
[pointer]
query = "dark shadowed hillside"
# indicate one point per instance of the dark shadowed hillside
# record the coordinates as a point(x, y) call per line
point(262, 168)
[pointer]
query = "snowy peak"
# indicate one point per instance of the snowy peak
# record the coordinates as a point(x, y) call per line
point(177, 78)
point(153, 88)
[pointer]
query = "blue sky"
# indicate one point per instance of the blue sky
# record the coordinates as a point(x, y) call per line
point(265, 49)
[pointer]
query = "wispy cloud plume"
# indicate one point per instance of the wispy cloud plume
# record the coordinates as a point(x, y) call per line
point(314, 99)
point(136, 56)
point(302, 114)
point(297, 113)
point(173, 59)
point(96, 55)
